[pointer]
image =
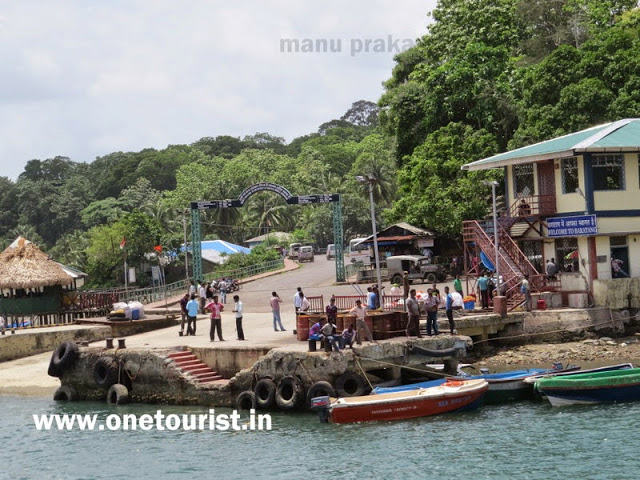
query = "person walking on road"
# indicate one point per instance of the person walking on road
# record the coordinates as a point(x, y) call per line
point(275, 309)
point(216, 309)
point(413, 309)
point(237, 309)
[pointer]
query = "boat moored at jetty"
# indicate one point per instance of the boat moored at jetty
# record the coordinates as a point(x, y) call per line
point(420, 402)
point(588, 388)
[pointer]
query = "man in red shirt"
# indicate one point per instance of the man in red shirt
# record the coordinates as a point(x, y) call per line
point(216, 318)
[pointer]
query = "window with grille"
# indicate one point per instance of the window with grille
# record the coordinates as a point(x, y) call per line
point(523, 180)
point(569, 175)
point(567, 257)
point(608, 172)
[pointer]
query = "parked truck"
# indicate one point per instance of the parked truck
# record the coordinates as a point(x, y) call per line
point(418, 269)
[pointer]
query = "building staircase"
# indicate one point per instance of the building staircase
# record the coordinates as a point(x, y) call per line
point(191, 366)
point(512, 262)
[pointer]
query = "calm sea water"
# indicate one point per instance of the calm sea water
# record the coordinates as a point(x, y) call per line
point(519, 441)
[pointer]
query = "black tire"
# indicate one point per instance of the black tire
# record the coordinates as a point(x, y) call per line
point(265, 393)
point(246, 400)
point(105, 372)
point(290, 393)
point(350, 384)
point(431, 278)
point(320, 389)
point(118, 394)
point(62, 358)
point(397, 279)
point(65, 393)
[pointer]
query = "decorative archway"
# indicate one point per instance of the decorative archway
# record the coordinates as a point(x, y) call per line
point(333, 198)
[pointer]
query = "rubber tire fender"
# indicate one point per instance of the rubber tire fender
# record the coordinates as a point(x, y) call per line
point(350, 384)
point(117, 394)
point(320, 389)
point(62, 358)
point(265, 393)
point(105, 372)
point(65, 393)
point(290, 393)
point(246, 400)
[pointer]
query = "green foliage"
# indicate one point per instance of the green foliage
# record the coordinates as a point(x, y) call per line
point(434, 192)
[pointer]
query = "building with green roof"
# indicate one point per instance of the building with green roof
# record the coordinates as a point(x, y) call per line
point(574, 199)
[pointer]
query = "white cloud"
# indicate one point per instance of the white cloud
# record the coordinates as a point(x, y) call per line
point(87, 78)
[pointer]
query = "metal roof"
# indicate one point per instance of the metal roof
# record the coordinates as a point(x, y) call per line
point(622, 135)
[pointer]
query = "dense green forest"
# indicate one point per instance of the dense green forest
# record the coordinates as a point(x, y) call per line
point(488, 75)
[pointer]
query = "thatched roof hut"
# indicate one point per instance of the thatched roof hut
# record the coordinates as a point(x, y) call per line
point(23, 265)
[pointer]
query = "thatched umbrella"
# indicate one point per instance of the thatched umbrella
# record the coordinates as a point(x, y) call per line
point(23, 265)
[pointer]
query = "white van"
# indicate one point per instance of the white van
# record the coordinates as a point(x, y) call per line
point(305, 254)
point(331, 251)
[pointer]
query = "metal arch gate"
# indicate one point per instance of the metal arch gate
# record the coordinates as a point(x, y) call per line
point(290, 199)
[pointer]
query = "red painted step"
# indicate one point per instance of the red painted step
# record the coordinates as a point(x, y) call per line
point(180, 354)
point(197, 369)
point(186, 363)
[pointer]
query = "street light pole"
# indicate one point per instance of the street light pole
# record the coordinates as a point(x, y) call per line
point(370, 180)
point(186, 252)
point(494, 184)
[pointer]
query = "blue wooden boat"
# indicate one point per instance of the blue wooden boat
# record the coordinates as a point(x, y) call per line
point(503, 387)
point(588, 388)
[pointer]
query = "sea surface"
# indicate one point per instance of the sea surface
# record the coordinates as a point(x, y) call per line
point(525, 440)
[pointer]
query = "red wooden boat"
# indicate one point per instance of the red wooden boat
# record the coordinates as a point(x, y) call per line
point(421, 402)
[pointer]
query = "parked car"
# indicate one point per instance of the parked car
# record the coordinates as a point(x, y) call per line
point(305, 254)
point(418, 268)
point(294, 248)
point(331, 251)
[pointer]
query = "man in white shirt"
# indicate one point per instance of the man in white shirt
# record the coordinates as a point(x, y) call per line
point(202, 293)
point(237, 308)
point(297, 300)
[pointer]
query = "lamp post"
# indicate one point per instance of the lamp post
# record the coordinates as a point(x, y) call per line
point(370, 180)
point(186, 252)
point(494, 184)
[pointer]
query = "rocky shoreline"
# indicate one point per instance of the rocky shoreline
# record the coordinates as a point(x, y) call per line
point(591, 351)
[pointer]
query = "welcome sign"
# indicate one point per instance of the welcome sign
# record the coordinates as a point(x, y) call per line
point(582, 225)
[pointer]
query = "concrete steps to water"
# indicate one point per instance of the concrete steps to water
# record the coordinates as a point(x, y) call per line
point(193, 367)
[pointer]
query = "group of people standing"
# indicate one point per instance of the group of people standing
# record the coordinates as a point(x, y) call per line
point(432, 303)
point(191, 305)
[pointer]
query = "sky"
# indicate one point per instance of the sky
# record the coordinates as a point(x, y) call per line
point(87, 78)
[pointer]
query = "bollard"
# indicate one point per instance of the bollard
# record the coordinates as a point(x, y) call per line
point(13, 331)
point(84, 343)
point(312, 345)
point(121, 343)
point(109, 342)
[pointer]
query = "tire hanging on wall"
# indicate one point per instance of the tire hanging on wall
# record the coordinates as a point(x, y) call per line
point(290, 393)
point(246, 400)
point(320, 389)
point(350, 384)
point(117, 394)
point(105, 372)
point(62, 358)
point(65, 393)
point(265, 393)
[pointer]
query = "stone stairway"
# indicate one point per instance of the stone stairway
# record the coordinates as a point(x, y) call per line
point(193, 367)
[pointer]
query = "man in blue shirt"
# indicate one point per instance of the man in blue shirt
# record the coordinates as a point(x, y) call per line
point(483, 287)
point(192, 313)
point(449, 309)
